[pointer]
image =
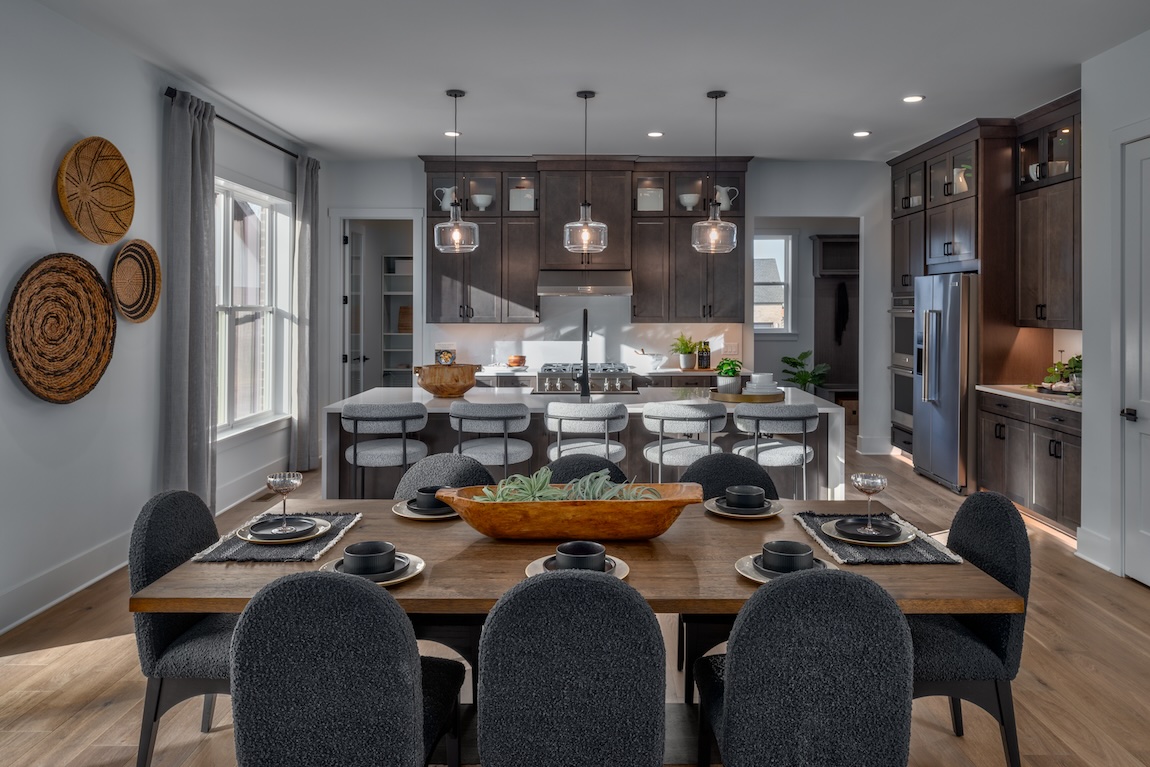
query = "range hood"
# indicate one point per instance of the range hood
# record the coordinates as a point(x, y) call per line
point(553, 282)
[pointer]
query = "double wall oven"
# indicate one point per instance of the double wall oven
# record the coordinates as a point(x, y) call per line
point(902, 372)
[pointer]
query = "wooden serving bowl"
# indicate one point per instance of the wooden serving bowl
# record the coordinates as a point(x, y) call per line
point(574, 520)
point(446, 380)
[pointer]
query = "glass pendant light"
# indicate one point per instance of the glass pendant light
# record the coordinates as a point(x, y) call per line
point(456, 235)
point(714, 235)
point(585, 235)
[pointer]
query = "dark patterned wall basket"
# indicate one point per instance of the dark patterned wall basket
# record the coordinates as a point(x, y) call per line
point(60, 328)
point(95, 190)
point(135, 280)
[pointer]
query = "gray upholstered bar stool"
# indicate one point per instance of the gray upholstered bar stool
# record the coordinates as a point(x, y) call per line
point(585, 428)
point(768, 419)
point(687, 418)
point(400, 418)
point(503, 420)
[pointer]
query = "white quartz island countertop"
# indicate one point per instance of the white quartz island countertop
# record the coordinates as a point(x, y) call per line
point(536, 403)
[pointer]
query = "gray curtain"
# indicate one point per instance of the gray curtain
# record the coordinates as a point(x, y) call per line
point(304, 443)
point(188, 410)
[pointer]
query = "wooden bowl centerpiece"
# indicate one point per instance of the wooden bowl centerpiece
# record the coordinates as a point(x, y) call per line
point(594, 520)
point(446, 380)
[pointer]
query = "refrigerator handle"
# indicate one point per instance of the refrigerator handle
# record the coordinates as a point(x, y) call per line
point(928, 342)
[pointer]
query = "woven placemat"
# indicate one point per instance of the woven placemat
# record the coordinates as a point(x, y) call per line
point(923, 550)
point(135, 280)
point(60, 327)
point(96, 191)
point(231, 548)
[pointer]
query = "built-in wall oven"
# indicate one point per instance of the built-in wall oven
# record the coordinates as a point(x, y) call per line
point(902, 397)
point(902, 372)
point(902, 332)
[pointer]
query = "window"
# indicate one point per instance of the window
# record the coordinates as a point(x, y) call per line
point(253, 269)
point(772, 289)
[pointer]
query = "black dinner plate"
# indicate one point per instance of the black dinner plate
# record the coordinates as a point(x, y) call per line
point(851, 527)
point(435, 512)
point(549, 565)
point(263, 529)
point(721, 505)
point(758, 563)
point(401, 564)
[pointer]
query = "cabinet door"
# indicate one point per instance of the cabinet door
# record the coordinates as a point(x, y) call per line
point(446, 283)
point(1058, 146)
point(650, 258)
point(964, 225)
point(561, 196)
point(481, 194)
point(1071, 509)
point(1030, 277)
point(1061, 267)
point(611, 203)
point(991, 453)
point(908, 189)
point(908, 252)
point(938, 235)
point(952, 176)
point(485, 274)
point(1016, 484)
point(520, 269)
point(1047, 471)
point(727, 284)
point(689, 273)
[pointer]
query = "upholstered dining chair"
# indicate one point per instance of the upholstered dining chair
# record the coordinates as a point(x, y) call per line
point(818, 671)
point(500, 419)
point(326, 671)
point(183, 655)
point(399, 418)
point(719, 471)
point(571, 467)
point(686, 418)
point(571, 672)
point(764, 421)
point(447, 469)
point(975, 657)
point(585, 428)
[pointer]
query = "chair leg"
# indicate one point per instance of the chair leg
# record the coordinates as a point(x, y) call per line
point(150, 722)
point(452, 742)
point(1006, 722)
point(679, 635)
point(703, 754)
point(209, 709)
point(956, 715)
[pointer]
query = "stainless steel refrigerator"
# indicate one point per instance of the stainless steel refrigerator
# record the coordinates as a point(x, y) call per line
point(945, 372)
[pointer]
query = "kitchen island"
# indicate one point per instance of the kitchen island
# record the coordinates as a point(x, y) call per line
point(825, 473)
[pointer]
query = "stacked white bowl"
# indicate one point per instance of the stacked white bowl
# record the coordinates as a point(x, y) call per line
point(761, 383)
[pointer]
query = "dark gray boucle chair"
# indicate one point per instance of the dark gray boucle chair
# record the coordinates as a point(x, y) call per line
point(571, 467)
point(975, 657)
point(183, 655)
point(445, 469)
point(326, 671)
point(719, 471)
point(818, 671)
point(571, 672)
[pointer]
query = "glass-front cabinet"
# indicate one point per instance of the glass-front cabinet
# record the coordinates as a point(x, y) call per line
point(953, 175)
point(694, 190)
point(1047, 155)
point(521, 194)
point(908, 190)
point(478, 192)
point(649, 195)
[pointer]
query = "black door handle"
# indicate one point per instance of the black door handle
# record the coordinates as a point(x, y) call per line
point(1129, 413)
point(1037, 311)
point(905, 203)
point(947, 189)
point(1052, 448)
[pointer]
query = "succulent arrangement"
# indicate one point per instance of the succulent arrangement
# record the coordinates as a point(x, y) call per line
point(538, 487)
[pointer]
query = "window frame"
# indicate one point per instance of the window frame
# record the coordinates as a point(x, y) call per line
point(277, 237)
point(791, 236)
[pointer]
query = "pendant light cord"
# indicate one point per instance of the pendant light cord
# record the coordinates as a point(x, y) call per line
point(455, 146)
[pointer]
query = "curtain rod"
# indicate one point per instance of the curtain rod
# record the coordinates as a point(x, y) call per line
point(171, 93)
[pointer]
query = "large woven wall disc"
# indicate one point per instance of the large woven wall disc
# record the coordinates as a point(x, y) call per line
point(61, 328)
point(136, 280)
point(95, 190)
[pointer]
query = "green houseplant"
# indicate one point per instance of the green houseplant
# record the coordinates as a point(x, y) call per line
point(798, 374)
point(728, 372)
point(685, 347)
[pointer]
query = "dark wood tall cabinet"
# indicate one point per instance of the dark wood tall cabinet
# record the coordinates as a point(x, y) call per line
point(650, 269)
point(520, 270)
point(563, 191)
point(705, 287)
point(908, 252)
point(1050, 257)
point(466, 287)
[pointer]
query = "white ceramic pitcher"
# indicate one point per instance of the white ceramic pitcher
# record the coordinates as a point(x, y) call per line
point(725, 195)
point(446, 196)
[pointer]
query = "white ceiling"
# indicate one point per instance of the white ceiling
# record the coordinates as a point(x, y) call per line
point(365, 79)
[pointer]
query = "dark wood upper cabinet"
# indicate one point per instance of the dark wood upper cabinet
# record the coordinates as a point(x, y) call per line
point(520, 270)
point(520, 193)
point(1047, 155)
point(650, 195)
point(952, 175)
point(650, 257)
point(908, 252)
point(1049, 285)
point(705, 287)
point(563, 192)
point(951, 233)
point(908, 188)
point(466, 287)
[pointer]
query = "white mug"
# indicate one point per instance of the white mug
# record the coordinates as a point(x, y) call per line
point(1035, 171)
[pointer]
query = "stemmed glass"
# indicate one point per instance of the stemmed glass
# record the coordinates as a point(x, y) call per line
point(869, 484)
point(283, 482)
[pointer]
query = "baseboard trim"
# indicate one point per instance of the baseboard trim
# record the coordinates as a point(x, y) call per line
point(873, 445)
point(1095, 549)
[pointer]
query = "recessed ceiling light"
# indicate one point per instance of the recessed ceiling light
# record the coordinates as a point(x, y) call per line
point(913, 99)
point(861, 133)
point(655, 134)
point(452, 133)
point(1065, 130)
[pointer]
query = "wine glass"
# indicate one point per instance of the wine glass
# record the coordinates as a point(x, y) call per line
point(283, 482)
point(869, 484)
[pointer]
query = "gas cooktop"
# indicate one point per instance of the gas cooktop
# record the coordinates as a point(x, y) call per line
point(577, 367)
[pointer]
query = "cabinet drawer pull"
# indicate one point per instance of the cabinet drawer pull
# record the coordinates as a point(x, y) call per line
point(1001, 404)
point(461, 310)
point(1057, 418)
point(1052, 448)
point(906, 280)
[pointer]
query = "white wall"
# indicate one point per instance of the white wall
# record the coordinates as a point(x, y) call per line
point(1115, 95)
point(852, 190)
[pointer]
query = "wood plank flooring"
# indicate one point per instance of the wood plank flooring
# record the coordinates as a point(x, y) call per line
point(71, 691)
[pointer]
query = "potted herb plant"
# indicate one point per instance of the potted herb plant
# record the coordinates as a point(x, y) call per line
point(685, 348)
point(798, 374)
point(728, 372)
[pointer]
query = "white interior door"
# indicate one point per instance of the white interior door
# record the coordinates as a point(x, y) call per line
point(353, 312)
point(1136, 437)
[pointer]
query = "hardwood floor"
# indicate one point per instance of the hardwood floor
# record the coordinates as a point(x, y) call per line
point(71, 691)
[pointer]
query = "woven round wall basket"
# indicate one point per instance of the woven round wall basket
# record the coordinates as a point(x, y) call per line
point(95, 190)
point(60, 328)
point(135, 280)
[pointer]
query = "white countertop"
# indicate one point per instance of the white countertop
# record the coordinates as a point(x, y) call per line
point(1023, 392)
point(537, 402)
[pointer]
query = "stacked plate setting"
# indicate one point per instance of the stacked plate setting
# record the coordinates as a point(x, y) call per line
point(761, 383)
